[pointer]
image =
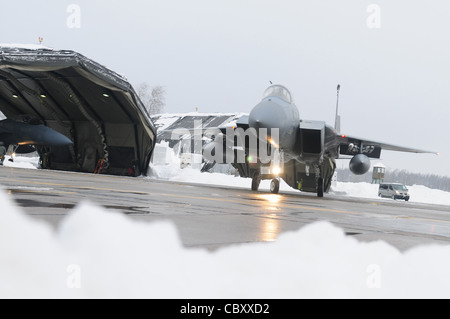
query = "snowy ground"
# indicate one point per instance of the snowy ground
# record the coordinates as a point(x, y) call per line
point(22, 162)
point(100, 254)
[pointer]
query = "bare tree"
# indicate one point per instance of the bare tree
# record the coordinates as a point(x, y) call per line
point(153, 97)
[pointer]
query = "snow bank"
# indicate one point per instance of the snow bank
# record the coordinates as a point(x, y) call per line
point(418, 193)
point(22, 162)
point(103, 254)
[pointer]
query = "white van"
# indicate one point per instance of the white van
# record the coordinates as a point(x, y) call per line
point(394, 191)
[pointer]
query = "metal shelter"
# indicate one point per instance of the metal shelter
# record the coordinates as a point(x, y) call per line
point(93, 106)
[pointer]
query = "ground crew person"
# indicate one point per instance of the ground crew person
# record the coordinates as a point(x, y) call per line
point(2, 153)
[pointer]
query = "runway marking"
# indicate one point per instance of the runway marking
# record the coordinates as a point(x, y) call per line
point(11, 191)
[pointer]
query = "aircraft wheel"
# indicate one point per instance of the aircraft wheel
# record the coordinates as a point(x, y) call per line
point(320, 187)
point(275, 186)
point(256, 180)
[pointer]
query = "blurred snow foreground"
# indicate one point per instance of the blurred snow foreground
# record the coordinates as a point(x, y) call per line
point(102, 254)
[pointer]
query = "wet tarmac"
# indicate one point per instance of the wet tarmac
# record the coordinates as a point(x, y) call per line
point(213, 216)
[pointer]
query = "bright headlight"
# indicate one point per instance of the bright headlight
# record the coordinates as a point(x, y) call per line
point(276, 170)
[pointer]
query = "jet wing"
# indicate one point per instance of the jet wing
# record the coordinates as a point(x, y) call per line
point(350, 145)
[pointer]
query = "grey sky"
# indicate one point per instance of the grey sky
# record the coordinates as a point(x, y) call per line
point(219, 56)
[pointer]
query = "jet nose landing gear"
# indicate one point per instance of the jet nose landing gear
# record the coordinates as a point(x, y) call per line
point(275, 186)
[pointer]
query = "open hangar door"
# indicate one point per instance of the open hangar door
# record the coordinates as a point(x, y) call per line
point(96, 108)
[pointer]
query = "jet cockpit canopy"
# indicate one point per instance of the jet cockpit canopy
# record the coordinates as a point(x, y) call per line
point(278, 91)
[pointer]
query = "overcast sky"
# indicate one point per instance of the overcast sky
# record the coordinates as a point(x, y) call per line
point(392, 58)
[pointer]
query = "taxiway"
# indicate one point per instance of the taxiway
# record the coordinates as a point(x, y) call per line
point(214, 216)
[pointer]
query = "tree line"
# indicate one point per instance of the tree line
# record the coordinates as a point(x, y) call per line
point(399, 176)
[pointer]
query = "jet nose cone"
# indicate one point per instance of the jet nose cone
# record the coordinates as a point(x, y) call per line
point(266, 115)
point(62, 140)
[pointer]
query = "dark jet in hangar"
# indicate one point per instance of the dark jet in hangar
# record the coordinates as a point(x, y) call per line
point(19, 134)
point(306, 152)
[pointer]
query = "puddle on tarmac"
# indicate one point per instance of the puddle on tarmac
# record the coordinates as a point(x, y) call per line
point(128, 210)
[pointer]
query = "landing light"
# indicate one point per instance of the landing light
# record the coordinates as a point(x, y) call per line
point(105, 95)
point(276, 170)
point(272, 142)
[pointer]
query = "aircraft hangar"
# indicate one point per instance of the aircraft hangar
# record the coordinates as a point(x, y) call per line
point(95, 107)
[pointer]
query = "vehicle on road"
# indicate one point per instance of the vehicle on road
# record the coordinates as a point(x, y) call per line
point(394, 191)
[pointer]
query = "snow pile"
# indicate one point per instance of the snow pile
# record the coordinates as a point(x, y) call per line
point(361, 190)
point(22, 162)
point(422, 194)
point(100, 254)
point(418, 193)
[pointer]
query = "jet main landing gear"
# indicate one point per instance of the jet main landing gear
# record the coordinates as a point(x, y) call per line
point(256, 180)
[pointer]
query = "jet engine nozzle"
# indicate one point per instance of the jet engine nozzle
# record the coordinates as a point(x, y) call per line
point(360, 164)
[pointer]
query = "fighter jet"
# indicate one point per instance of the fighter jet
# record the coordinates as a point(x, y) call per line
point(23, 134)
point(303, 153)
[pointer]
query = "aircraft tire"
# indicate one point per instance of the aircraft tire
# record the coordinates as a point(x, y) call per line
point(274, 186)
point(256, 180)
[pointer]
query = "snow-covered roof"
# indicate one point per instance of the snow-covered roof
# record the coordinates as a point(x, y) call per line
point(18, 46)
